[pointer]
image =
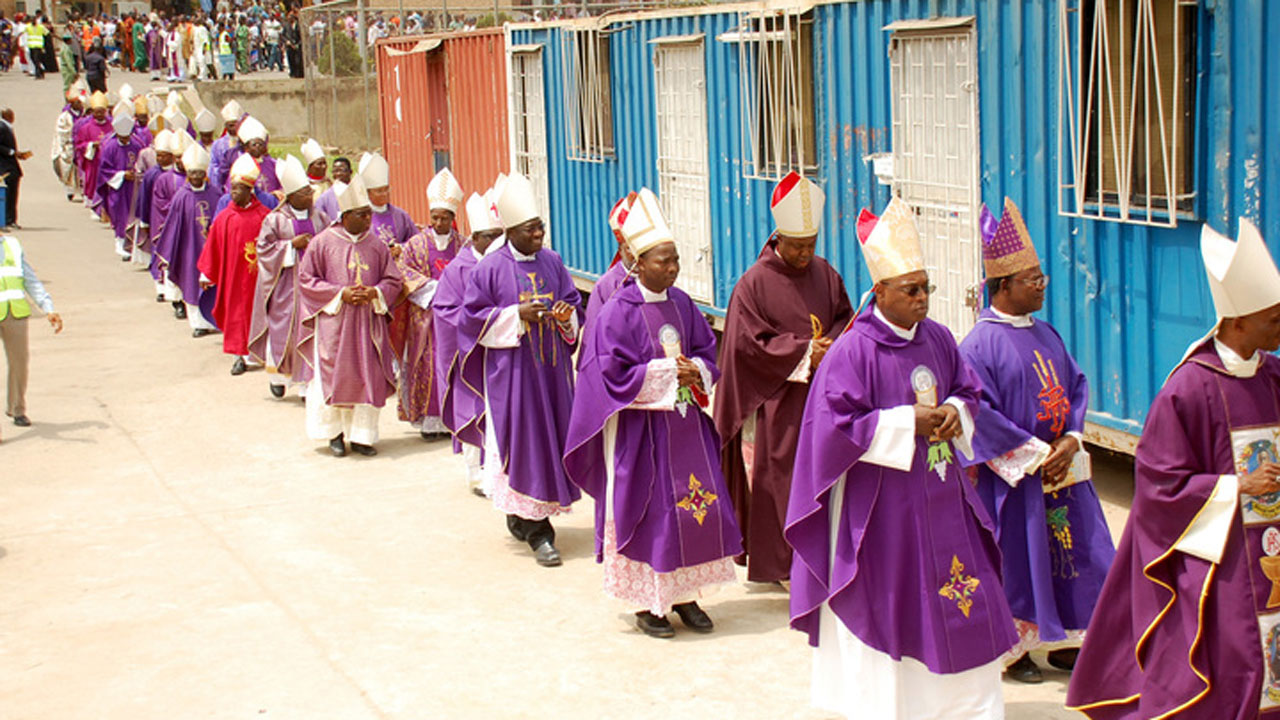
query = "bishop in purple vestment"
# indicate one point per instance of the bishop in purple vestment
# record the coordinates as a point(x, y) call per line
point(183, 238)
point(348, 284)
point(1032, 471)
point(118, 177)
point(521, 318)
point(641, 445)
point(88, 133)
point(327, 201)
point(618, 274)
point(422, 261)
point(896, 571)
point(1188, 622)
point(276, 323)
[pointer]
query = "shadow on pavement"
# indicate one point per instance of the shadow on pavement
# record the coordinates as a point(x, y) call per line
point(54, 431)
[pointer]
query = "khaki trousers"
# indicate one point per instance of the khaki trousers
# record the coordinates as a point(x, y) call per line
point(13, 331)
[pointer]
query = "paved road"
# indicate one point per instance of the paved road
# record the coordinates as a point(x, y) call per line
point(172, 546)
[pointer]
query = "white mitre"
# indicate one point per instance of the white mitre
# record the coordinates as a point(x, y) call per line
point(206, 122)
point(353, 196)
point(481, 215)
point(292, 175)
point(126, 93)
point(1242, 275)
point(646, 225)
point(890, 243)
point(195, 158)
point(123, 125)
point(251, 129)
point(374, 170)
point(245, 170)
point(160, 141)
point(444, 192)
point(797, 206)
point(231, 111)
point(517, 202)
point(311, 152)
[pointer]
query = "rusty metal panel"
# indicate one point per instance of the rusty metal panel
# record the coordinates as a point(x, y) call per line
point(406, 122)
point(477, 109)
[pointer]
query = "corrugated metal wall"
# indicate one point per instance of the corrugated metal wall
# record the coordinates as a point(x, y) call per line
point(443, 106)
point(1126, 298)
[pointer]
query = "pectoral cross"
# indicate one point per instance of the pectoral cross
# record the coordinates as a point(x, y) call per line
point(532, 294)
point(358, 264)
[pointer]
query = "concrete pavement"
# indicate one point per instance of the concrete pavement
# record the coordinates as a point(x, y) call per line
point(172, 545)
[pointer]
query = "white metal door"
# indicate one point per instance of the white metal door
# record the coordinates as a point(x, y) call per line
point(684, 186)
point(935, 162)
point(529, 118)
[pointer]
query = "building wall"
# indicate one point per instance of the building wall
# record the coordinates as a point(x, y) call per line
point(1127, 298)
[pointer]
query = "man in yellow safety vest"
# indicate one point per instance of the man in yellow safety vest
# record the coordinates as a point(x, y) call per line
point(17, 282)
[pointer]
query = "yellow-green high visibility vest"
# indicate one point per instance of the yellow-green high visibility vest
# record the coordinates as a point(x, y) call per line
point(35, 36)
point(13, 289)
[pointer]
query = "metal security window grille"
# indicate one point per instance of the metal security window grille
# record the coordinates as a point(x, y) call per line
point(776, 56)
point(934, 104)
point(1126, 91)
point(529, 125)
point(588, 97)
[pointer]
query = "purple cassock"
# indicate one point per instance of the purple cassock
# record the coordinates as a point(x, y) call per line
point(529, 387)
point(327, 202)
point(393, 225)
point(221, 155)
point(155, 49)
point(86, 132)
point(605, 287)
point(143, 135)
point(121, 204)
point(421, 262)
point(185, 231)
point(915, 568)
point(1177, 635)
point(461, 406)
point(164, 187)
point(149, 211)
point(671, 507)
point(353, 346)
point(276, 323)
point(1056, 547)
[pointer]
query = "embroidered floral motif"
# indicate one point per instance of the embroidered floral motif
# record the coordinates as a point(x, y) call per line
point(960, 587)
point(698, 501)
point(1055, 406)
point(1064, 565)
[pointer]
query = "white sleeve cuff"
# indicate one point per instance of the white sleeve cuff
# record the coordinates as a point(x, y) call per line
point(1021, 461)
point(570, 335)
point(379, 302)
point(1207, 535)
point(894, 443)
point(290, 256)
point(661, 383)
point(422, 296)
point(334, 305)
point(963, 441)
point(116, 180)
point(205, 279)
point(707, 380)
point(505, 330)
point(801, 373)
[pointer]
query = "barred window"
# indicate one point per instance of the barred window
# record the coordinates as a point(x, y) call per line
point(588, 96)
point(776, 56)
point(1127, 87)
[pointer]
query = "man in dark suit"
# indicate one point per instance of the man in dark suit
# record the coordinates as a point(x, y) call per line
point(10, 169)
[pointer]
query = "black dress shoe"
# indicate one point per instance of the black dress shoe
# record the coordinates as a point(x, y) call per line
point(654, 625)
point(200, 332)
point(1024, 671)
point(1064, 659)
point(547, 555)
point(160, 298)
point(434, 436)
point(365, 450)
point(277, 390)
point(694, 617)
point(338, 447)
point(21, 421)
point(478, 492)
point(238, 367)
point(515, 526)
point(180, 311)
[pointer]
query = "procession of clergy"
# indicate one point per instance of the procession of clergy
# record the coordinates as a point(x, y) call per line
point(929, 504)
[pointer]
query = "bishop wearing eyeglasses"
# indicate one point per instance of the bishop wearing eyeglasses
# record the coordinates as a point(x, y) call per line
point(895, 576)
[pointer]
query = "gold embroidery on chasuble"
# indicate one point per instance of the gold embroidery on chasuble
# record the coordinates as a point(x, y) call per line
point(251, 253)
point(959, 588)
point(698, 501)
point(358, 264)
point(537, 292)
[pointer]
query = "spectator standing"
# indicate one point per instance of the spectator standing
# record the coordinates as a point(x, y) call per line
point(10, 168)
point(18, 282)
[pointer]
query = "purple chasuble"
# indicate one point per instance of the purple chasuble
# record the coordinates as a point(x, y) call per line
point(605, 287)
point(143, 135)
point(1177, 635)
point(354, 346)
point(671, 507)
point(393, 225)
point(276, 323)
point(327, 203)
point(185, 231)
point(460, 405)
point(223, 153)
point(915, 568)
point(164, 188)
point(529, 387)
point(85, 132)
point(121, 204)
point(420, 262)
point(1056, 548)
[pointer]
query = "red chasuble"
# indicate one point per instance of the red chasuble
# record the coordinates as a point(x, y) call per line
point(230, 260)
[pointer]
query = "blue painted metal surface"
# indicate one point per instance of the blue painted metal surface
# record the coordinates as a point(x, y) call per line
point(1126, 298)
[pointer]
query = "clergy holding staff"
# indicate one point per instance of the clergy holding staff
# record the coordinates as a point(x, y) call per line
point(1033, 473)
point(784, 314)
point(1188, 622)
point(896, 571)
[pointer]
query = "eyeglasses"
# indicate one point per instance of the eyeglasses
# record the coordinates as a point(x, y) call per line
point(1038, 282)
point(915, 289)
